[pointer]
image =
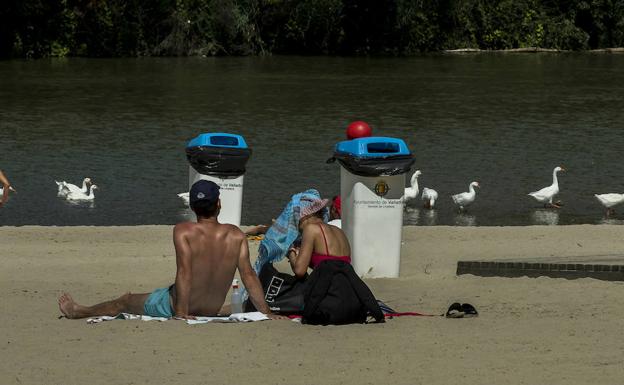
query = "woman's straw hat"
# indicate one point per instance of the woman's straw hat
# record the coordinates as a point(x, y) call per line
point(312, 206)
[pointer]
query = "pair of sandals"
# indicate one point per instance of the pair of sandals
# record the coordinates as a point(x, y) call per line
point(461, 310)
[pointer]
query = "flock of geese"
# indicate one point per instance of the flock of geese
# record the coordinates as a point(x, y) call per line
point(429, 196)
point(71, 192)
point(462, 200)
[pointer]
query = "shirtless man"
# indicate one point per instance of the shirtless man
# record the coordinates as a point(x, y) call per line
point(207, 256)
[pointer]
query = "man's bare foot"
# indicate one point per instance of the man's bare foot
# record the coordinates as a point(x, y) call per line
point(67, 306)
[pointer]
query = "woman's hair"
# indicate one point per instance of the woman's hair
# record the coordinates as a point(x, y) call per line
point(320, 213)
point(205, 209)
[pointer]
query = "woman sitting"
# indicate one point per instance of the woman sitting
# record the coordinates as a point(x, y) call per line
point(333, 294)
point(320, 241)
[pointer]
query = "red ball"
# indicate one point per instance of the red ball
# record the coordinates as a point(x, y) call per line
point(358, 129)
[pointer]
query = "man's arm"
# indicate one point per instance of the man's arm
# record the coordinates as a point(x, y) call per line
point(250, 279)
point(183, 273)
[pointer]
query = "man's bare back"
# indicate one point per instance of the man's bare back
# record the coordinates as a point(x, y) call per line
point(215, 251)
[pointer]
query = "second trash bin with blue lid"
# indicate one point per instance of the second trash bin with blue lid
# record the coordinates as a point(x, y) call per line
point(372, 185)
point(221, 158)
point(374, 156)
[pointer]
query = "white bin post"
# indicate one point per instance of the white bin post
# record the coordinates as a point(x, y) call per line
point(372, 219)
point(231, 195)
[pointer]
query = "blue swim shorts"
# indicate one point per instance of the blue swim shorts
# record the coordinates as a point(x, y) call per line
point(158, 304)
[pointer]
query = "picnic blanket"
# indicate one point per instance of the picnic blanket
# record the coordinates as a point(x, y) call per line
point(236, 317)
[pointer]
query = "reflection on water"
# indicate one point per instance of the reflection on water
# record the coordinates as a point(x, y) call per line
point(611, 221)
point(411, 215)
point(464, 219)
point(84, 204)
point(430, 217)
point(424, 217)
point(545, 217)
point(186, 215)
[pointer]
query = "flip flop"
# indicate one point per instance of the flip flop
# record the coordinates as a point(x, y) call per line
point(455, 311)
point(469, 310)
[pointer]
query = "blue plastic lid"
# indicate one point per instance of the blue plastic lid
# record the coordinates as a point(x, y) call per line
point(218, 139)
point(373, 147)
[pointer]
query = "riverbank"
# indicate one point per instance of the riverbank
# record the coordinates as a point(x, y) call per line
point(532, 50)
point(109, 29)
point(529, 331)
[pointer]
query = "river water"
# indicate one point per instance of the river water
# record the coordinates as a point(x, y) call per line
point(505, 120)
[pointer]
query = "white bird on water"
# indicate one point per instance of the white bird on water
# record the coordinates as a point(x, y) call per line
point(412, 191)
point(610, 200)
point(185, 197)
point(429, 196)
point(65, 188)
point(80, 196)
point(466, 198)
point(547, 194)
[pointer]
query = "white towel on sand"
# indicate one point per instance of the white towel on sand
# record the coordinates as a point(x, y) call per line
point(236, 317)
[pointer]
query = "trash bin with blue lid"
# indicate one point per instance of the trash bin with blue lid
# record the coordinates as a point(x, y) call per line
point(221, 158)
point(372, 184)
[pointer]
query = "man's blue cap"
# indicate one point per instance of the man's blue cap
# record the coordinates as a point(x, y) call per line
point(204, 190)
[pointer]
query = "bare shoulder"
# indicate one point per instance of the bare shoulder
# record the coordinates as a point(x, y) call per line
point(311, 229)
point(184, 227)
point(233, 231)
point(233, 235)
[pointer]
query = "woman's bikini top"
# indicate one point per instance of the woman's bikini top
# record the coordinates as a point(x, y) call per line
point(316, 258)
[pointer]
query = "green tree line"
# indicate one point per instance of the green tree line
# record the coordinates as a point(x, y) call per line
point(112, 28)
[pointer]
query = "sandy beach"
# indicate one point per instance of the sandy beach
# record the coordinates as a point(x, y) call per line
point(530, 330)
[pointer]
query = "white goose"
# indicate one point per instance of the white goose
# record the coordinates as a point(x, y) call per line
point(80, 196)
point(466, 198)
point(412, 192)
point(547, 194)
point(185, 197)
point(429, 196)
point(610, 200)
point(65, 188)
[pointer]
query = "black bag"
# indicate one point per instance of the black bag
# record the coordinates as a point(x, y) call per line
point(282, 292)
point(221, 161)
point(335, 295)
point(385, 166)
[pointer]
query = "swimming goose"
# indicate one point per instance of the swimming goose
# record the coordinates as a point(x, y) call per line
point(429, 196)
point(80, 196)
point(547, 194)
point(466, 198)
point(185, 197)
point(610, 200)
point(412, 192)
point(65, 188)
